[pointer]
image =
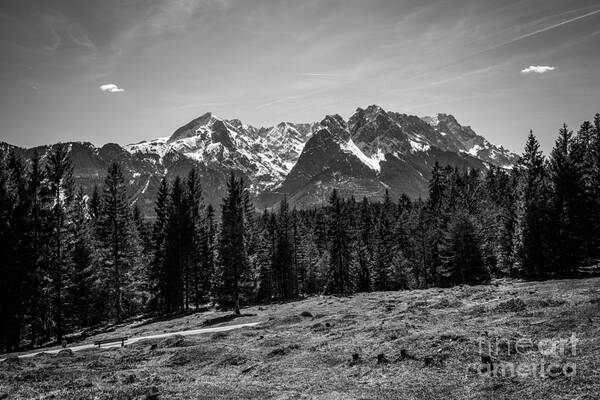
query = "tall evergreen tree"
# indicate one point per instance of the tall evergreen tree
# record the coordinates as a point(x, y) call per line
point(568, 202)
point(59, 172)
point(159, 236)
point(283, 253)
point(194, 202)
point(232, 251)
point(35, 192)
point(365, 257)
point(339, 262)
point(533, 217)
point(177, 247)
point(207, 247)
point(384, 247)
point(114, 222)
point(462, 261)
point(80, 282)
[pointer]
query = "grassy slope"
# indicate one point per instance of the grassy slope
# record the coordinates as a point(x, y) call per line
point(292, 356)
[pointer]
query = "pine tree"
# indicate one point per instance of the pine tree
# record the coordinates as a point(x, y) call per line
point(79, 291)
point(339, 263)
point(159, 237)
point(176, 251)
point(207, 246)
point(569, 216)
point(16, 258)
point(534, 221)
point(194, 202)
point(384, 247)
point(461, 257)
point(364, 248)
point(283, 253)
point(264, 258)
point(59, 172)
point(232, 252)
point(114, 222)
point(35, 193)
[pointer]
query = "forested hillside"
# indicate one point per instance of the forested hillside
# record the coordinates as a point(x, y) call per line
point(70, 261)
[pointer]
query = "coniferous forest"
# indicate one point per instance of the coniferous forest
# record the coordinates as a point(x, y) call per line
point(71, 260)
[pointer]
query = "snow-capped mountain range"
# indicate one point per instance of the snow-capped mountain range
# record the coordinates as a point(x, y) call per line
point(373, 151)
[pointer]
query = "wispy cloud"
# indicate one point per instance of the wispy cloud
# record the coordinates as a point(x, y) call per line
point(278, 101)
point(111, 88)
point(537, 69)
point(323, 75)
point(551, 27)
point(506, 43)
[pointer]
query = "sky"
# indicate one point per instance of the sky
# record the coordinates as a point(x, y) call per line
point(125, 71)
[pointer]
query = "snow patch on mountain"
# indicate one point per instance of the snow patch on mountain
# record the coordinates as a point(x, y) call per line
point(419, 146)
point(371, 162)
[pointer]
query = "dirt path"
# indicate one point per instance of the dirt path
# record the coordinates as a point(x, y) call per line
point(137, 339)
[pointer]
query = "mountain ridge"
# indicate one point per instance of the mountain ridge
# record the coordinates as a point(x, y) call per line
point(374, 150)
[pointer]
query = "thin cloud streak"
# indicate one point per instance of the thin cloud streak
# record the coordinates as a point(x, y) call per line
point(324, 75)
point(498, 46)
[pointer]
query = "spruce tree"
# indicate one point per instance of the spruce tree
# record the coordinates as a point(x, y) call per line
point(159, 236)
point(194, 202)
point(384, 247)
point(232, 252)
point(534, 215)
point(16, 258)
point(207, 247)
point(79, 290)
point(59, 172)
point(365, 256)
point(568, 202)
point(176, 250)
point(35, 191)
point(115, 233)
point(339, 262)
point(461, 256)
point(283, 253)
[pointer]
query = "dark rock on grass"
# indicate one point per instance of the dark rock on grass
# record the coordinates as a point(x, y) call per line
point(306, 314)
point(436, 360)
point(404, 355)
point(3, 396)
point(150, 348)
point(355, 359)
point(65, 353)
point(153, 394)
point(317, 327)
point(280, 351)
point(250, 368)
point(381, 359)
point(129, 379)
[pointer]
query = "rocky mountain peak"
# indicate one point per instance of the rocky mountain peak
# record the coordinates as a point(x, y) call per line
point(336, 125)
